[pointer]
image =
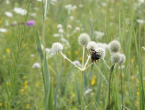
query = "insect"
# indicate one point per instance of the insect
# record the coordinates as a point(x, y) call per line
point(94, 55)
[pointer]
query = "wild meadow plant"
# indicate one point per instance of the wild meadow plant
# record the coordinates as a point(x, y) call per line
point(97, 52)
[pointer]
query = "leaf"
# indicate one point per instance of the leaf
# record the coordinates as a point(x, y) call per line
point(39, 49)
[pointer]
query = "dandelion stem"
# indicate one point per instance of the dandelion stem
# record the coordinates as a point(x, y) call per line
point(70, 61)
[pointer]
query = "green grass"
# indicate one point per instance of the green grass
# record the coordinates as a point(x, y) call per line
point(57, 84)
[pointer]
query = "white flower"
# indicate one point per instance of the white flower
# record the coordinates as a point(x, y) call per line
point(84, 39)
point(9, 14)
point(47, 50)
point(36, 65)
point(115, 58)
point(59, 26)
point(3, 30)
point(99, 34)
point(71, 17)
point(140, 21)
point(122, 58)
point(91, 45)
point(101, 51)
point(60, 31)
point(77, 29)
point(56, 47)
point(69, 26)
point(32, 55)
point(88, 91)
point(55, 35)
point(77, 63)
point(114, 46)
point(20, 11)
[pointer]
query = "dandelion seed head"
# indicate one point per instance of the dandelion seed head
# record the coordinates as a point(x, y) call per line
point(114, 46)
point(56, 47)
point(83, 39)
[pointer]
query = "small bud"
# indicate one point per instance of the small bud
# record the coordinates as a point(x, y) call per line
point(56, 47)
point(69, 26)
point(83, 39)
point(91, 45)
point(122, 58)
point(115, 58)
point(114, 46)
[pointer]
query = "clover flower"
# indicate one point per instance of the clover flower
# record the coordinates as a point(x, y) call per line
point(30, 23)
point(116, 57)
point(83, 39)
point(56, 47)
point(114, 46)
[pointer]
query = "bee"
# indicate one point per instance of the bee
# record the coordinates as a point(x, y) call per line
point(94, 55)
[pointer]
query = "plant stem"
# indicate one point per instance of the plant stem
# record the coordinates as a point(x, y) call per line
point(106, 64)
point(82, 91)
point(121, 86)
point(82, 78)
point(87, 61)
point(70, 61)
point(109, 105)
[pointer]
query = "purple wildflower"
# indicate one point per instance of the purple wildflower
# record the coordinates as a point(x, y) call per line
point(30, 23)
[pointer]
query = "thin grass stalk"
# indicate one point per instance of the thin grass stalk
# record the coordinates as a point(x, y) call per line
point(121, 87)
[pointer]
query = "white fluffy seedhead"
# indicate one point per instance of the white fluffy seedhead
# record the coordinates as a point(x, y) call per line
point(114, 46)
point(84, 39)
point(56, 47)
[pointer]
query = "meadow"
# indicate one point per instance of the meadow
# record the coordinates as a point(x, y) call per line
point(44, 64)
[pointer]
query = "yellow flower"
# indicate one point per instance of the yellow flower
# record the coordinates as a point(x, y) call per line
point(93, 82)
point(8, 50)
point(132, 60)
point(24, 77)
point(137, 93)
point(5, 104)
point(0, 21)
point(69, 52)
point(102, 85)
point(8, 83)
point(137, 102)
point(132, 77)
point(27, 106)
point(118, 3)
point(25, 84)
point(1, 104)
point(76, 52)
point(123, 75)
point(137, 80)
point(80, 58)
point(22, 90)
point(37, 84)
point(4, 56)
